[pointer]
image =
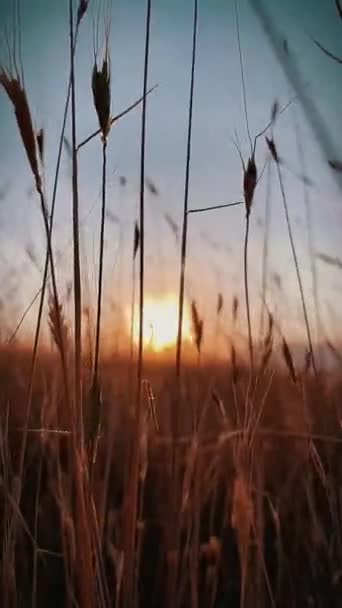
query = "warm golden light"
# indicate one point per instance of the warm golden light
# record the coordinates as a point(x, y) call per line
point(161, 323)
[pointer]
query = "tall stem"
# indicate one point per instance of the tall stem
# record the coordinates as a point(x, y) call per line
point(176, 405)
point(265, 249)
point(76, 243)
point(55, 295)
point(175, 421)
point(132, 313)
point(50, 260)
point(45, 275)
point(299, 278)
point(245, 264)
point(130, 529)
point(309, 228)
point(101, 255)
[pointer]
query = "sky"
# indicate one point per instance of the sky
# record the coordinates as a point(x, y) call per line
point(215, 252)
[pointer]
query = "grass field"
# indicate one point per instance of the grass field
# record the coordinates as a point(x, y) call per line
point(162, 473)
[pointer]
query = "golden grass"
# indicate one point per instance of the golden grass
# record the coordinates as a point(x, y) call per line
point(206, 485)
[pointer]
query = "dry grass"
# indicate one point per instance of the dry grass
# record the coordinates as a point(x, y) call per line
point(236, 489)
point(183, 492)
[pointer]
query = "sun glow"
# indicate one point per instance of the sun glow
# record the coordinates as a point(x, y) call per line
point(161, 323)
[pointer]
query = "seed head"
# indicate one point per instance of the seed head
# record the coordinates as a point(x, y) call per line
point(336, 165)
point(235, 369)
point(275, 110)
point(17, 96)
point(57, 324)
point(82, 9)
point(197, 324)
point(219, 305)
point(152, 187)
point(339, 7)
point(41, 144)
point(272, 148)
point(249, 184)
point(307, 362)
point(102, 94)
point(136, 240)
point(235, 308)
point(289, 361)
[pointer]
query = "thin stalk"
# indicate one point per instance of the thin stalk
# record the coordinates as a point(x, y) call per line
point(36, 535)
point(245, 269)
point(248, 202)
point(42, 291)
point(59, 330)
point(265, 250)
point(242, 75)
point(61, 350)
point(309, 228)
point(85, 570)
point(131, 520)
point(142, 211)
point(132, 312)
point(175, 535)
point(95, 415)
point(54, 291)
point(101, 255)
point(119, 286)
point(185, 223)
point(214, 207)
point(295, 259)
point(77, 271)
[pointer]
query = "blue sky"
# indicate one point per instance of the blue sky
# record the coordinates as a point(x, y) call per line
point(215, 240)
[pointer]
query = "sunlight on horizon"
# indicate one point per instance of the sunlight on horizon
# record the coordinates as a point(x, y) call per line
point(161, 323)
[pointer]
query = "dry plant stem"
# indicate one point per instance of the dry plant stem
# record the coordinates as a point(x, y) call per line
point(265, 250)
point(242, 74)
point(175, 421)
point(309, 228)
point(131, 518)
point(248, 206)
point(174, 540)
point(96, 415)
point(55, 292)
point(295, 259)
point(44, 284)
point(132, 313)
point(36, 532)
point(85, 571)
point(46, 266)
point(59, 331)
point(77, 270)
point(172, 582)
point(195, 549)
point(214, 207)
point(245, 262)
point(101, 255)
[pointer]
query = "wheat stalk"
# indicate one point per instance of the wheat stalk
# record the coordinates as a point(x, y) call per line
point(250, 177)
point(272, 148)
point(76, 245)
point(101, 81)
point(197, 325)
point(175, 421)
point(132, 489)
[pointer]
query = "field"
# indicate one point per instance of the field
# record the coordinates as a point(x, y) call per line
point(163, 467)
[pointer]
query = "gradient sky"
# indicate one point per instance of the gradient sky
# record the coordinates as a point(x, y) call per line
point(216, 239)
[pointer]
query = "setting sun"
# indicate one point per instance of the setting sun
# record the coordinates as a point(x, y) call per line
point(161, 323)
